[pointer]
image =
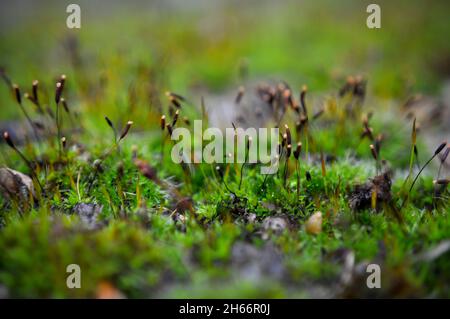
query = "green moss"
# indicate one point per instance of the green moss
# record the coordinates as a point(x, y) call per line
point(143, 247)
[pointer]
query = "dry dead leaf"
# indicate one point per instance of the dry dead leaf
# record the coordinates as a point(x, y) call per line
point(15, 184)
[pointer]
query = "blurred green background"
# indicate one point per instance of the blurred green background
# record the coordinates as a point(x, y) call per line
point(202, 44)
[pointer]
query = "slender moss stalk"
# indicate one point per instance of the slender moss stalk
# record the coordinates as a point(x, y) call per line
point(247, 155)
point(297, 167)
point(25, 113)
point(219, 171)
point(411, 157)
point(11, 144)
point(113, 129)
point(58, 92)
point(286, 165)
point(375, 157)
point(443, 159)
point(438, 150)
point(163, 139)
point(413, 139)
